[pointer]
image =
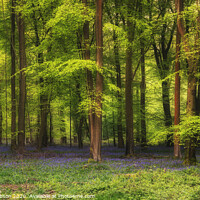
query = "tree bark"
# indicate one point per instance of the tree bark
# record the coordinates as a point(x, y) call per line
point(13, 66)
point(70, 121)
point(86, 55)
point(43, 135)
point(51, 126)
point(190, 154)
point(142, 99)
point(80, 133)
point(22, 85)
point(143, 88)
point(177, 150)
point(114, 140)
point(119, 85)
point(96, 151)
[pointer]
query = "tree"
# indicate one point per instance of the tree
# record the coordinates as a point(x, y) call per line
point(192, 61)
point(143, 86)
point(119, 84)
point(13, 98)
point(22, 84)
point(13, 66)
point(90, 86)
point(128, 83)
point(177, 151)
point(96, 151)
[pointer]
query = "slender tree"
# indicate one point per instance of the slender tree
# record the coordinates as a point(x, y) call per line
point(22, 84)
point(90, 87)
point(177, 151)
point(43, 135)
point(115, 21)
point(192, 61)
point(96, 151)
point(13, 66)
point(143, 86)
point(128, 83)
point(119, 84)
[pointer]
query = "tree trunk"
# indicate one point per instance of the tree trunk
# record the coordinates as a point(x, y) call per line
point(43, 136)
point(190, 148)
point(190, 154)
point(13, 66)
point(80, 133)
point(51, 126)
point(198, 98)
point(166, 107)
point(29, 124)
point(177, 150)
point(90, 86)
point(96, 151)
point(22, 85)
point(1, 123)
point(62, 125)
point(143, 86)
point(114, 140)
point(70, 122)
point(138, 117)
point(119, 85)
point(128, 88)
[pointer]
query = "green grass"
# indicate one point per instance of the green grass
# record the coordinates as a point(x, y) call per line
point(81, 179)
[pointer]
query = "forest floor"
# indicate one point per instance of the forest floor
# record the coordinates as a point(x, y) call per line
point(60, 172)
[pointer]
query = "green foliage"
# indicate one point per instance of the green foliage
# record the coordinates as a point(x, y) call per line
point(102, 181)
point(189, 128)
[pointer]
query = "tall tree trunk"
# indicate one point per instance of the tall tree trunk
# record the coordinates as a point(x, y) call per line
point(142, 98)
point(143, 86)
point(43, 135)
point(22, 85)
point(86, 55)
point(190, 148)
point(177, 150)
point(96, 151)
point(128, 87)
point(190, 152)
point(198, 64)
point(166, 107)
point(13, 66)
point(119, 85)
